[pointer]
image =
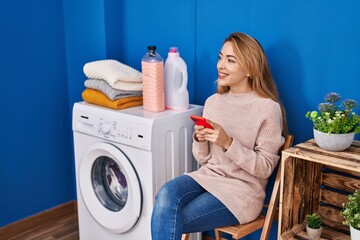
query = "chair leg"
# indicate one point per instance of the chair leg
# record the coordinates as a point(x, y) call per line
point(185, 236)
point(274, 202)
point(217, 234)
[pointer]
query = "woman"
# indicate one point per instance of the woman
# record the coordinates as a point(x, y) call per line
point(236, 157)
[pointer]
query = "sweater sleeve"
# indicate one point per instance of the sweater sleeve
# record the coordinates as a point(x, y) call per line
point(263, 158)
point(201, 151)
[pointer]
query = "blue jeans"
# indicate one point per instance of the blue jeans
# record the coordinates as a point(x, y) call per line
point(183, 206)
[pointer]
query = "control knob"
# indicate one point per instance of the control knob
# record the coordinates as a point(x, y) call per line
point(105, 128)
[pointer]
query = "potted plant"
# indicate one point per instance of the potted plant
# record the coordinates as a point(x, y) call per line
point(335, 126)
point(351, 214)
point(313, 226)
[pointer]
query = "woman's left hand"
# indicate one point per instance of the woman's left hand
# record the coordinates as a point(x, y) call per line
point(217, 135)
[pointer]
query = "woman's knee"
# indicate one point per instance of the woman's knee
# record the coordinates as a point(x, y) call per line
point(171, 191)
point(164, 196)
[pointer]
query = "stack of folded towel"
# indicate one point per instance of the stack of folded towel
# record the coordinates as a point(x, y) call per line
point(112, 84)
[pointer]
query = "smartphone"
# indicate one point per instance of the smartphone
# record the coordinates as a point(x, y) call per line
point(200, 121)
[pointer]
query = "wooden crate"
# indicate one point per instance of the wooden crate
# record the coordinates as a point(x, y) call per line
point(316, 180)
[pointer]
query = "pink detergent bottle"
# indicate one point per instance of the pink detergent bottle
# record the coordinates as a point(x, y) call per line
point(176, 78)
point(152, 65)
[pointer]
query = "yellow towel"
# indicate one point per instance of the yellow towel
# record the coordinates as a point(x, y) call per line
point(97, 97)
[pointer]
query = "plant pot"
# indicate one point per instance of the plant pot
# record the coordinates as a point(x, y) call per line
point(354, 233)
point(333, 142)
point(312, 233)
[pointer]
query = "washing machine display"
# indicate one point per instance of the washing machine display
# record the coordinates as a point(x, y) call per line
point(122, 158)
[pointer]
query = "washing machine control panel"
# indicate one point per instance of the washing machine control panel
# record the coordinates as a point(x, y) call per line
point(117, 130)
point(125, 132)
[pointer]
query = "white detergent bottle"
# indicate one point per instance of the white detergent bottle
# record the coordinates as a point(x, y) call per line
point(175, 80)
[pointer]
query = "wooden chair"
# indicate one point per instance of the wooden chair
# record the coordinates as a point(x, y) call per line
point(263, 221)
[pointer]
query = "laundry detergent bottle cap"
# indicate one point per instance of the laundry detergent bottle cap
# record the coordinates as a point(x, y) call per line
point(152, 55)
point(152, 66)
point(173, 50)
point(176, 79)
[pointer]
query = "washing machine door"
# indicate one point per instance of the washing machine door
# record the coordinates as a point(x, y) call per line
point(110, 187)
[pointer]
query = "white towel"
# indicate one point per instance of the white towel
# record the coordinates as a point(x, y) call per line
point(112, 71)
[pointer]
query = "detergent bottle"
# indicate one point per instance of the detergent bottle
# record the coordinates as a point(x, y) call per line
point(152, 65)
point(176, 78)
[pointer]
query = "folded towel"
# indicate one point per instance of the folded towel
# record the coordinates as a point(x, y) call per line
point(96, 97)
point(109, 91)
point(112, 71)
point(127, 86)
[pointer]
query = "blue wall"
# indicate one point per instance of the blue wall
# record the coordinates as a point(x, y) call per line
point(312, 47)
point(36, 160)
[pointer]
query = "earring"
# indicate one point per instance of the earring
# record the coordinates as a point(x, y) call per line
point(248, 75)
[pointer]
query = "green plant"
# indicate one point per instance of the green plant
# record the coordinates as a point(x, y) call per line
point(313, 221)
point(335, 119)
point(351, 211)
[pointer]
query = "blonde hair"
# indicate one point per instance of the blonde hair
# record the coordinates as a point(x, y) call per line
point(252, 59)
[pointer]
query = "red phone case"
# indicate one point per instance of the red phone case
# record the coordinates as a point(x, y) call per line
point(201, 121)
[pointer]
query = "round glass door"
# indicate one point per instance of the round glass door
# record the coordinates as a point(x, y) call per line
point(110, 187)
point(109, 183)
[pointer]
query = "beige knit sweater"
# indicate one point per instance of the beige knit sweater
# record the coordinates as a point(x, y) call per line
point(238, 177)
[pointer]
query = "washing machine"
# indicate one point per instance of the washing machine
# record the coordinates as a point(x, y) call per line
point(122, 158)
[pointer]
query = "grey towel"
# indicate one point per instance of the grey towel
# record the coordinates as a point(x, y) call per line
point(112, 93)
